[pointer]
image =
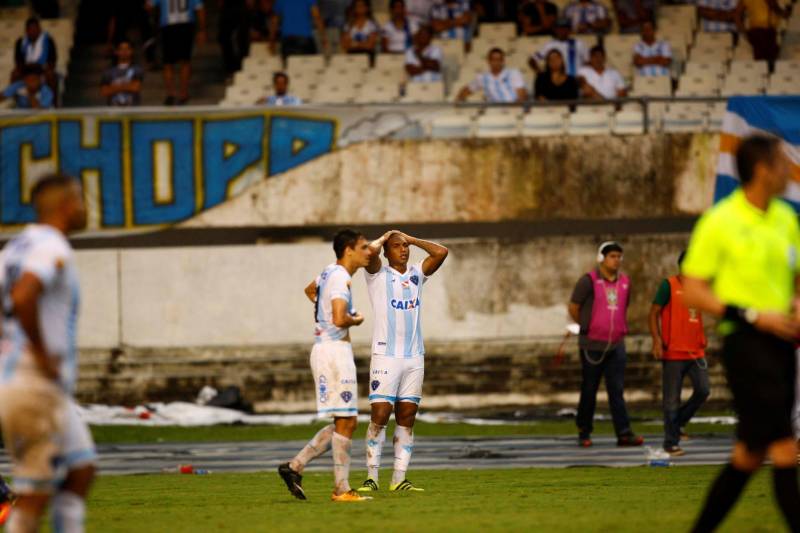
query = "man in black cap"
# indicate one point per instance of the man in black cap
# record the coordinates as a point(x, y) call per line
point(599, 303)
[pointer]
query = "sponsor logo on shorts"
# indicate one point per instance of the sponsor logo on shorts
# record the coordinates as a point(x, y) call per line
point(348, 381)
point(375, 384)
point(323, 389)
point(379, 372)
point(347, 396)
point(381, 343)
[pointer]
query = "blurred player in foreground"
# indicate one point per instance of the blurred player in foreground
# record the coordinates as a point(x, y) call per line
point(742, 266)
point(50, 447)
point(333, 367)
point(398, 363)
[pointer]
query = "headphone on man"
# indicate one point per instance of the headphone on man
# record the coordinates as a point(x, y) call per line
point(600, 255)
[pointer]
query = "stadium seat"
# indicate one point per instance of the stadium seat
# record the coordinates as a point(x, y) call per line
point(653, 86)
point(243, 95)
point(588, 122)
point(717, 39)
point(784, 84)
point(262, 63)
point(716, 112)
point(709, 53)
point(350, 62)
point(378, 92)
point(507, 111)
point(697, 84)
point(334, 93)
point(420, 92)
point(482, 45)
point(742, 85)
point(498, 30)
point(497, 125)
point(306, 63)
point(353, 75)
point(743, 50)
point(749, 68)
point(303, 77)
point(700, 68)
point(679, 121)
point(542, 124)
point(529, 45)
point(678, 14)
point(783, 66)
point(390, 62)
point(451, 126)
point(628, 122)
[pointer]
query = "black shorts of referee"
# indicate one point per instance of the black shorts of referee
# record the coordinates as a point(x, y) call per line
point(177, 41)
point(761, 370)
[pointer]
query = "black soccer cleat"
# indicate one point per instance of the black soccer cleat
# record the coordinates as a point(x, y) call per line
point(293, 480)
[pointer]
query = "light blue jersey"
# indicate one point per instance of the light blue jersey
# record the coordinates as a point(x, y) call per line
point(332, 284)
point(177, 11)
point(501, 88)
point(287, 100)
point(397, 304)
point(44, 252)
point(657, 49)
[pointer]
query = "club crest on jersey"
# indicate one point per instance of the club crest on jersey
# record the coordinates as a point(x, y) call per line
point(323, 389)
point(375, 384)
point(405, 305)
point(414, 279)
point(347, 396)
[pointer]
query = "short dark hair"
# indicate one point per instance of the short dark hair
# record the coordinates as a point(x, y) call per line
point(32, 21)
point(50, 181)
point(280, 74)
point(346, 238)
point(32, 69)
point(496, 50)
point(597, 49)
point(610, 247)
point(395, 2)
point(752, 151)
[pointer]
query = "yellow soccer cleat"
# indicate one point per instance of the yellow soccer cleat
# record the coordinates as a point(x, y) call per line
point(368, 486)
point(404, 485)
point(349, 496)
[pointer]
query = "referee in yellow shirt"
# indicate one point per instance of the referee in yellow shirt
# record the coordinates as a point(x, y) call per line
point(742, 266)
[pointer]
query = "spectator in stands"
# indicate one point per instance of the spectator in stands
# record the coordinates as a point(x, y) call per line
point(360, 35)
point(281, 98)
point(762, 26)
point(424, 60)
point(498, 84)
point(452, 19)
point(260, 16)
point(588, 16)
point(36, 48)
point(555, 83)
point(537, 17)
point(122, 83)
point(30, 92)
point(233, 33)
point(334, 18)
point(652, 57)
point(718, 15)
point(572, 50)
point(496, 10)
point(296, 20)
point(397, 35)
point(179, 22)
point(599, 82)
point(419, 11)
point(631, 14)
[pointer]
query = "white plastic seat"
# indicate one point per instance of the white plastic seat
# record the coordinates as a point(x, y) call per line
point(749, 68)
point(742, 85)
point(784, 84)
point(390, 62)
point(654, 86)
point(784, 66)
point(497, 126)
point(628, 122)
point(709, 53)
point(538, 124)
point(583, 122)
point(452, 50)
point(701, 68)
point(498, 30)
point(333, 93)
point(482, 45)
point(262, 63)
point(678, 121)
point(424, 92)
point(720, 39)
point(451, 126)
point(305, 63)
point(378, 93)
point(698, 84)
point(351, 62)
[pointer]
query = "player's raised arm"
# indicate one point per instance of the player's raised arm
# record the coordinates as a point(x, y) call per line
point(311, 291)
point(436, 254)
point(375, 247)
point(25, 300)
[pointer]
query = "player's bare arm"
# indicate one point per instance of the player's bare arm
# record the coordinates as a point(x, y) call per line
point(375, 248)
point(698, 295)
point(311, 291)
point(25, 299)
point(342, 317)
point(436, 253)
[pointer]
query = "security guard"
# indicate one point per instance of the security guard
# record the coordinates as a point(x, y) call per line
point(742, 266)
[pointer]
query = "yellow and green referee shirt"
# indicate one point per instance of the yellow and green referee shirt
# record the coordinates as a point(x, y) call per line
point(750, 256)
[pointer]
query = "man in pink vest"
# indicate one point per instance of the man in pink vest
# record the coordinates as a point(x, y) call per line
point(599, 303)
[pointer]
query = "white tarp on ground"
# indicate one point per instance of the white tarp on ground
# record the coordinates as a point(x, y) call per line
point(187, 414)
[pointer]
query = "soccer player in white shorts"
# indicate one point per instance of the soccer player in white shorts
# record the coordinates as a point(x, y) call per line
point(333, 367)
point(398, 362)
point(51, 449)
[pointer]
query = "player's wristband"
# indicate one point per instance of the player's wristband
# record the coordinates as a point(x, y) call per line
point(740, 315)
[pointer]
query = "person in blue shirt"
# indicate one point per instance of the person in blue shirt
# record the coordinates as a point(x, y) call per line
point(179, 21)
point(30, 92)
point(296, 21)
point(36, 47)
point(281, 98)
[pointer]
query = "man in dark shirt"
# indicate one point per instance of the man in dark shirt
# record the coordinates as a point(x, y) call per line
point(122, 83)
point(599, 304)
point(537, 17)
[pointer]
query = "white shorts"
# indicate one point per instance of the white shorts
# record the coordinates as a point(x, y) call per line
point(43, 434)
point(334, 371)
point(396, 379)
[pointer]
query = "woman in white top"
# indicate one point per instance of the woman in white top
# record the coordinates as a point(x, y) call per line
point(360, 35)
point(398, 33)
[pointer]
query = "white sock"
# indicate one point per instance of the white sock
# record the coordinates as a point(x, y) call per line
point(69, 512)
point(19, 522)
point(376, 436)
point(403, 448)
point(318, 445)
point(341, 463)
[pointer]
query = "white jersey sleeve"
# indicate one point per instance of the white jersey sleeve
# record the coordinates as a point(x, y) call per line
point(46, 260)
point(339, 285)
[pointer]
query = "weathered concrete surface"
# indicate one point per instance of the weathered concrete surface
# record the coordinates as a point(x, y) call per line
point(484, 180)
